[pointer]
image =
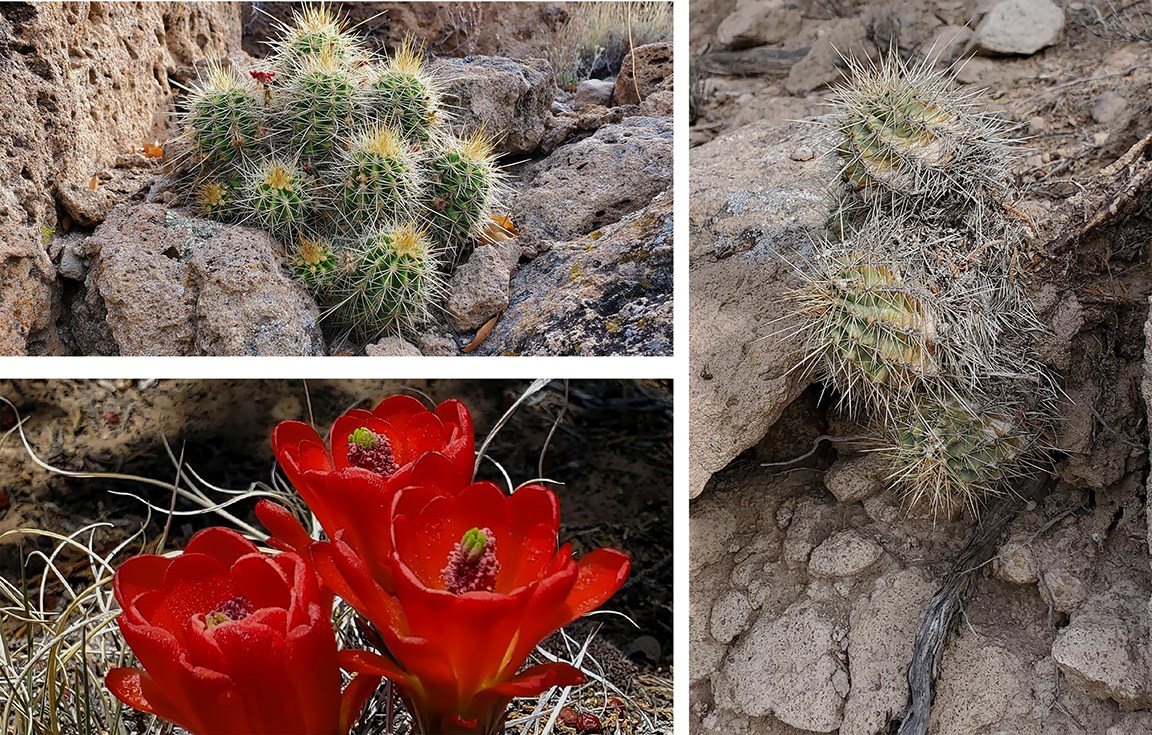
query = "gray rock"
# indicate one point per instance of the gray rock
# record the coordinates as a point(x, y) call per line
point(844, 554)
point(730, 615)
point(594, 182)
point(478, 290)
point(161, 283)
point(1109, 107)
point(753, 212)
point(593, 92)
point(392, 347)
point(759, 23)
point(28, 296)
point(511, 98)
point(72, 265)
point(857, 477)
point(790, 668)
point(1019, 27)
point(645, 71)
point(607, 294)
point(1105, 646)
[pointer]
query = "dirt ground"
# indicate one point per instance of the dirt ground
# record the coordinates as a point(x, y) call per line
point(611, 450)
point(757, 596)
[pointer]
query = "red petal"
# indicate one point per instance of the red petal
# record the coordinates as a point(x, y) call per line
point(128, 685)
point(255, 658)
point(536, 679)
point(284, 527)
point(222, 544)
point(602, 572)
point(138, 575)
point(262, 582)
point(368, 662)
point(359, 690)
point(394, 408)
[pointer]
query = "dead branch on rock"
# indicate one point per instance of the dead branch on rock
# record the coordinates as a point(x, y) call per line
point(940, 616)
point(1104, 198)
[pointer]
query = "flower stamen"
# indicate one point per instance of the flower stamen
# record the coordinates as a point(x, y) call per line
point(472, 564)
point(235, 609)
point(371, 451)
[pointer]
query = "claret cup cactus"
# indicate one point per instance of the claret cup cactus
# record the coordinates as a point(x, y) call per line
point(349, 160)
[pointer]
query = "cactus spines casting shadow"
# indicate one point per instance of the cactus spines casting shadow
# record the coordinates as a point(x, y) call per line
point(462, 187)
point(279, 195)
point(224, 117)
point(909, 135)
point(949, 455)
point(404, 96)
point(387, 283)
point(314, 29)
point(378, 179)
point(913, 308)
point(318, 105)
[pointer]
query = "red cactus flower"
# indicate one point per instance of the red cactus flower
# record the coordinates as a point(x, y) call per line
point(232, 640)
point(264, 77)
point(476, 582)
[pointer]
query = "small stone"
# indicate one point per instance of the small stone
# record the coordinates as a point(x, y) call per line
point(1019, 27)
point(758, 23)
point(1108, 107)
point(803, 153)
point(857, 477)
point(392, 347)
point(1037, 125)
point(478, 291)
point(845, 554)
point(730, 615)
point(1099, 139)
point(593, 92)
point(1015, 562)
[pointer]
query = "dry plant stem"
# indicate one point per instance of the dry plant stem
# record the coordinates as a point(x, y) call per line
point(940, 616)
point(1105, 198)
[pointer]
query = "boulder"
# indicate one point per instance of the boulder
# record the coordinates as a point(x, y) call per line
point(161, 283)
point(586, 185)
point(759, 23)
point(645, 71)
point(609, 293)
point(593, 92)
point(79, 84)
point(754, 211)
point(512, 99)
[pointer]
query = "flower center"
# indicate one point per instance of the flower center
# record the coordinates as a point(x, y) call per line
point(237, 608)
point(472, 565)
point(371, 451)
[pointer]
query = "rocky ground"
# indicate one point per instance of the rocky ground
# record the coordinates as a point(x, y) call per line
point(809, 578)
point(611, 450)
point(98, 259)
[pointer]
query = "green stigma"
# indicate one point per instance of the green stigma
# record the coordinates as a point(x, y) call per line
point(473, 544)
point(364, 438)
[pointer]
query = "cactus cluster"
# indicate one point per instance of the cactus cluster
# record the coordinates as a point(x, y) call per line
point(913, 309)
point(350, 161)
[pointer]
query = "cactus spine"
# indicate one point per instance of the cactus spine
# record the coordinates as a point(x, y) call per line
point(335, 152)
point(387, 283)
point(913, 310)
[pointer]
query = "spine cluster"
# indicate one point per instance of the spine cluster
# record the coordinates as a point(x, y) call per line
point(350, 161)
point(914, 310)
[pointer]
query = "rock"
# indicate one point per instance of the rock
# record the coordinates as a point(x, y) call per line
point(593, 92)
point(759, 23)
point(823, 62)
point(80, 82)
point(246, 305)
point(753, 211)
point(161, 283)
point(645, 70)
point(510, 98)
point(857, 477)
point(1105, 646)
point(392, 347)
point(1136, 723)
point(28, 298)
point(985, 684)
point(595, 182)
point(950, 41)
point(609, 293)
point(72, 265)
point(436, 343)
point(883, 626)
point(1109, 108)
point(1014, 561)
point(730, 615)
point(478, 290)
point(1019, 27)
point(564, 126)
point(791, 668)
point(844, 554)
